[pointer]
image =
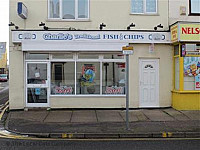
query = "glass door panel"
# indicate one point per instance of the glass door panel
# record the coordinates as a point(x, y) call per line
point(37, 84)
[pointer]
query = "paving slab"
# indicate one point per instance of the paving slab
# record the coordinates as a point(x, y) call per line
point(192, 114)
point(58, 116)
point(157, 115)
point(84, 116)
point(176, 114)
point(109, 116)
point(132, 116)
point(29, 115)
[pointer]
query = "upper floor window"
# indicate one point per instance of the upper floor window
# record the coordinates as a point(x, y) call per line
point(144, 6)
point(194, 7)
point(69, 9)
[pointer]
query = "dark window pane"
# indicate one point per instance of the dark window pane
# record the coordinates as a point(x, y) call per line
point(37, 95)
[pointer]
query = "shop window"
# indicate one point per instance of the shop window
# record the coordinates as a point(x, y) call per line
point(62, 78)
point(176, 50)
point(194, 7)
point(113, 78)
point(87, 74)
point(177, 71)
point(88, 56)
point(88, 78)
point(115, 56)
point(144, 6)
point(191, 73)
point(37, 56)
point(71, 9)
point(62, 56)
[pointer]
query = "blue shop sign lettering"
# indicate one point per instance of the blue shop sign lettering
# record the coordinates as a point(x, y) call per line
point(59, 36)
point(123, 36)
point(67, 36)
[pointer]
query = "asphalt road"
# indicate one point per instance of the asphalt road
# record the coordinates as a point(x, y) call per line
point(140, 144)
point(4, 92)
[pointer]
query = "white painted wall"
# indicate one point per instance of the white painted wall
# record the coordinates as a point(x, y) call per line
point(174, 12)
point(116, 14)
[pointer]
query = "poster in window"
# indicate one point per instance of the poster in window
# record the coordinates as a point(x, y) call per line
point(191, 66)
point(88, 75)
point(197, 82)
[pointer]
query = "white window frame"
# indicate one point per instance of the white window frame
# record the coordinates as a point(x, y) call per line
point(76, 12)
point(76, 60)
point(144, 8)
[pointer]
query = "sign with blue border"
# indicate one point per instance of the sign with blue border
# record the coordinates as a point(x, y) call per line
point(22, 10)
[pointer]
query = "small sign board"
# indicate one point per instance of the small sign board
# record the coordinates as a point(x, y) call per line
point(127, 50)
point(22, 10)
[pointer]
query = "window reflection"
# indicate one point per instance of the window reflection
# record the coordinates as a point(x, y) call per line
point(113, 78)
point(62, 78)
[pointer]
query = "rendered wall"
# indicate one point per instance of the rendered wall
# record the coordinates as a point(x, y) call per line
point(116, 14)
point(16, 81)
point(174, 12)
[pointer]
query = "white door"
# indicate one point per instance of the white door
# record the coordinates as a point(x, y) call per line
point(149, 83)
point(37, 84)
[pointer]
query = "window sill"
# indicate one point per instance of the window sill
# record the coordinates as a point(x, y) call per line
point(102, 96)
point(194, 14)
point(156, 14)
point(70, 20)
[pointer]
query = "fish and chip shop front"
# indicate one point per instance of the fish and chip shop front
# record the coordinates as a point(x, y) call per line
point(86, 69)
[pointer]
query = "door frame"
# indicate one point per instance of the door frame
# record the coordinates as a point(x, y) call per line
point(37, 85)
point(156, 60)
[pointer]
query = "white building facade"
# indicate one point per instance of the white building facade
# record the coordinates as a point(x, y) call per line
point(60, 57)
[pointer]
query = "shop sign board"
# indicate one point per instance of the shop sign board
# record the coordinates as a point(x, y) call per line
point(174, 33)
point(185, 32)
point(190, 32)
point(22, 10)
point(92, 36)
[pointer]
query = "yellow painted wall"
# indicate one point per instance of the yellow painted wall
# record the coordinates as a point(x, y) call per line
point(186, 101)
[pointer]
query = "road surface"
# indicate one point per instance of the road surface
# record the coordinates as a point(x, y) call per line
point(4, 92)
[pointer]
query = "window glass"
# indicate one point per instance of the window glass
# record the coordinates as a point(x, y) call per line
point(113, 78)
point(54, 9)
point(137, 6)
point(88, 56)
point(37, 56)
point(88, 78)
point(177, 71)
point(63, 78)
point(176, 50)
point(151, 6)
point(82, 8)
point(115, 56)
point(195, 6)
point(68, 9)
point(37, 95)
point(62, 56)
point(36, 73)
point(191, 73)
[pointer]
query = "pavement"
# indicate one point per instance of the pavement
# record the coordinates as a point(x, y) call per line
point(147, 123)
